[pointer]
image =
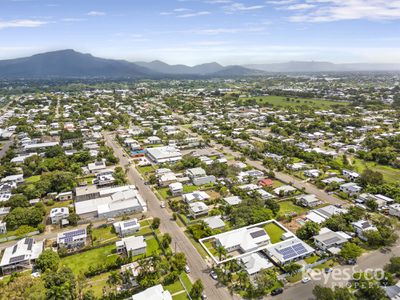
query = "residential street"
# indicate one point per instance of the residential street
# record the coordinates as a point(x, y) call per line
point(198, 267)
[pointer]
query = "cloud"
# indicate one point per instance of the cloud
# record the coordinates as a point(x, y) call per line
point(194, 14)
point(95, 13)
point(21, 23)
point(72, 19)
point(338, 10)
point(216, 31)
point(236, 6)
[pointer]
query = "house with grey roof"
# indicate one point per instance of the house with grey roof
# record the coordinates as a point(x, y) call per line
point(331, 241)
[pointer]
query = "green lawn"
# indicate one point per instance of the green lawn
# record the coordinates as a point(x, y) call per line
point(295, 278)
point(197, 245)
point(152, 246)
point(164, 193)
point(289, 207)
point(174, 287)
point(282, 101)
point(146, 169)
point(311, 259)
point(274, 232)
point(190, 188)
point(390, 174)
point(210, 246)
point(182, 296)
point(32, 179)
point(97, 283)
point(80, 262)
point(103, 235)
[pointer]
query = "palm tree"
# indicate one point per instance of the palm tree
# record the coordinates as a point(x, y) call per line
point(114, 279)
point(221, 252)
point(243, 278)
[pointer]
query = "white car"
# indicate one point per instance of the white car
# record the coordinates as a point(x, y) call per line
point(162, 204)
point(187, 269)
point(306, 279)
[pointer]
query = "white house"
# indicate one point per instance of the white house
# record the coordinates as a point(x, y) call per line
point(72, 239)
point(128, 227)
point(163, 154)
point(132, 246)
point(58, 213)
point(197, 209)
point(176, 188)
point(308, 200)
point(361, 227)
point(156, 292)
point(328, 240)
point(351, 188)
point(195, 196)
point(20, 256)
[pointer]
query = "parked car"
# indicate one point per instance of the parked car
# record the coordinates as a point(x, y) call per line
point(277, 291)
point(162, 204)
point(306, 279)
point(187, 269)
point(328, 270)
point(204, 296)
point(213, 275)
point(351, 261)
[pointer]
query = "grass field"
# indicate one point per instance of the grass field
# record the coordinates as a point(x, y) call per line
point(390, 174)
point(103, 234)
point(288, 207)
point(294, 102)
point(274, 232)
point(97, 283)
point(80, 262)
point(32, 179)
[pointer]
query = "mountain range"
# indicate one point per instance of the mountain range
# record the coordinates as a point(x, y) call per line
point(72, 64)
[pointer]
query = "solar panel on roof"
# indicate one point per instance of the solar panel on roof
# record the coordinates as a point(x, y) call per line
point(17, 258)
point(130, 223)
point(30, 243)
point(332, 240)
point(257, 234)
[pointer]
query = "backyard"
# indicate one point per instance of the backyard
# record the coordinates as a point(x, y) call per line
point(274, 232)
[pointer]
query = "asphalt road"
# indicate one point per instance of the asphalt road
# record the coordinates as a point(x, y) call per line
point(197, 265)
point(6, 146)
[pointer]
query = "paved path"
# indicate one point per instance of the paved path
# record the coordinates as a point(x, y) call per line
point(197, 265)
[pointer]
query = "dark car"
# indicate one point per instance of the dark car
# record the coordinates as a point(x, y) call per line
point(277, 291)
point(351, 262)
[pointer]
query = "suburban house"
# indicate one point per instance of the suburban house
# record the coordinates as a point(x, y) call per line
point(195, 196)
point(199, 176)
point(331, 241)
point(156, 292)
point(284, 190)
point(233, 200)
point(214, 222)
point(128, 227)
point(197, 209)
point(96, 167)
point(320, 215)
point(255, 262)
point(308, 200)
point(351, 188)
point(58, 213)
point(288, 250)
point(132, 246)
point(20, 256)
point(350, 175)
point(64, 196)
point(176, 188)
point(166, 179)
point(72, 239)
point(361, 227)
point(394, 209)
point(312, 173)
point(244, 239)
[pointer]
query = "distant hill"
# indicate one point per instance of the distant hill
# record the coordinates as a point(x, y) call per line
point(69, 63)
point(317, 66)
point(162, 67)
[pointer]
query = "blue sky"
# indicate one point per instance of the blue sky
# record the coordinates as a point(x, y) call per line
point(197, 31)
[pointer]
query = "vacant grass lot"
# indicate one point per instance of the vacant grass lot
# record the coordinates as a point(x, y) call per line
point(32, 179)
point(80, 262)
point(296, 102)
point(390, 174)
point(289, 207)
point(103, 235)
point(274, 232)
